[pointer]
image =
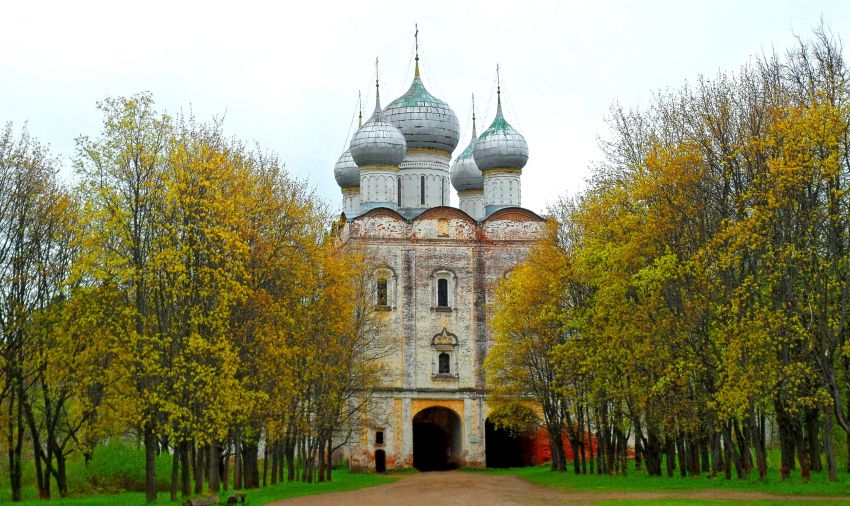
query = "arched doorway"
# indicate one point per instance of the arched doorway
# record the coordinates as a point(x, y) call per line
point(504, 448)
point(437, 436)
point(380, 461)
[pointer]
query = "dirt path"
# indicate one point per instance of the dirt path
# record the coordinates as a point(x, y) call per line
point(452, 488)
point(446, 488)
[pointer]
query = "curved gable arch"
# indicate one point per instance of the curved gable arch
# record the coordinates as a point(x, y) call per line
point(382, 212)
point(438, 212)
point(514, 214)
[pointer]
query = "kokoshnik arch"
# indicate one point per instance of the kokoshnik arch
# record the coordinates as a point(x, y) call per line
point(436, 271)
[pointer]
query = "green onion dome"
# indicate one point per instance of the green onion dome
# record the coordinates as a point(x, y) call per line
point(500, 146)
point(426, 121)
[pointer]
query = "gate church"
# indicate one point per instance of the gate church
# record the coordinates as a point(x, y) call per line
point(438, 267)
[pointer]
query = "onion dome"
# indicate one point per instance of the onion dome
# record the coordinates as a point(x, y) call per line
point(426, 121)
point(500, 146)
point(465, 174)
point(377, 142)
point(346, 172)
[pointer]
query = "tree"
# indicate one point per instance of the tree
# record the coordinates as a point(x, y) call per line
point(122, 171)
point(532, 316)
point(31, 229)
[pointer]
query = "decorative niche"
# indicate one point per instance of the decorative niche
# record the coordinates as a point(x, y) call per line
point(444, 348)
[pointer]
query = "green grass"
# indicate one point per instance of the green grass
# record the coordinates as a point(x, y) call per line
point(342, 481)
point(638, 481)
point(115, 475)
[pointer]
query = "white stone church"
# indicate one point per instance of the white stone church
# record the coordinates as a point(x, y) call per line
point(436, 271)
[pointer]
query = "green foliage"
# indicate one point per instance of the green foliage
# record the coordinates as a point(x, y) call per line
point(119, 466)
point(516, 418)
point(696, 294)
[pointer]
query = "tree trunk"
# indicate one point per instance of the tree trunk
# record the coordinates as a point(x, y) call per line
point(743, 450)
point(281, 455)
point(704, 455)
point(42, 476)
point(61, 474)
point(786, 440)
point(198, 454)
point(186, 478)
point(290, 460)
point(682, 454)
point(321, 455)
point(670, 455)
point(237, 461)
point(150, 462)
point(802, 455)
point(214, 485)
point(330, 460)
point(828, 446)
point(761, 451)
point(175, 472)
point(250, 469)
point(812, 443)
point(652, 452)
point(15, 441)
point(225, 468)
point(265, 462)
point(275, 462)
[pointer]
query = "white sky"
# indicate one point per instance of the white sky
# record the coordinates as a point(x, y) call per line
point(287, 74)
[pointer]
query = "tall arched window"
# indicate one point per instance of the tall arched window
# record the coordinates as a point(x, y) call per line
point(382, 292)
point(442, 191)
point(422, 190)
point(444, 367)
point(398, 196)
point(442, 292)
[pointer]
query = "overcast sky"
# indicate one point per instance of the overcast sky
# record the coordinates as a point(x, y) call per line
point(286, 74)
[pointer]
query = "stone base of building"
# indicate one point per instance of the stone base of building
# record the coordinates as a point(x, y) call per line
point(405, 429)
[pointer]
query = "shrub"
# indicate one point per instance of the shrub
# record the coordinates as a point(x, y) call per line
point(118, 465)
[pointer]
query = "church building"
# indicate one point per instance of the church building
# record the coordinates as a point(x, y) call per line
point(436, 268)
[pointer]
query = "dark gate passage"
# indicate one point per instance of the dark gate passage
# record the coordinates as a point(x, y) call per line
point(436, 439)
point(380, 461)
point(505, 449)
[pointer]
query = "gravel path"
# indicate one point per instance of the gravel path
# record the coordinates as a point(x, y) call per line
point(454, 488)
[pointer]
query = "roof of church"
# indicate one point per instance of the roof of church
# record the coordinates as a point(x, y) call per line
point(422, 214)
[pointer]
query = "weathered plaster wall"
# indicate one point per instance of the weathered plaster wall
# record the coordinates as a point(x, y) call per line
point(474, 256)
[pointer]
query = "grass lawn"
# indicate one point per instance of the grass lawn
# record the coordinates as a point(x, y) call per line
point(342, 480)
point(115, 475)
point(638, 481)
point(683, 502)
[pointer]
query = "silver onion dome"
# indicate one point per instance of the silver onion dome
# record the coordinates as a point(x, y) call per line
point(346, 172)
point(378, 142)
point(465, 173)
point(426, 121)
point(500, 146)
